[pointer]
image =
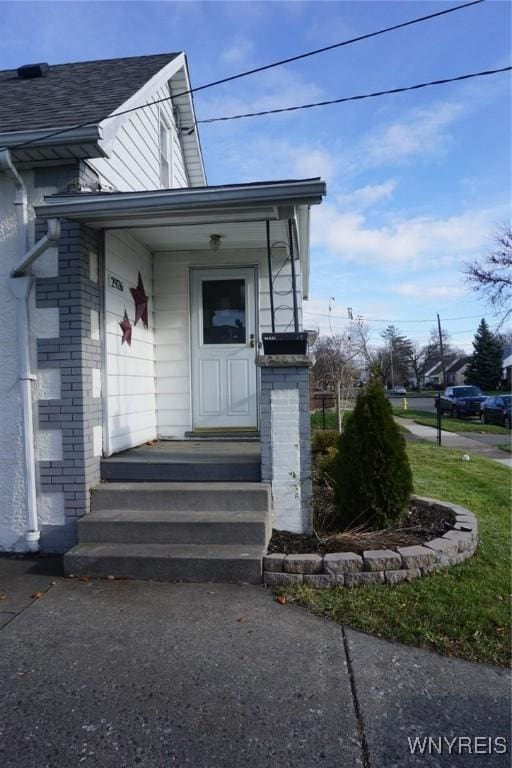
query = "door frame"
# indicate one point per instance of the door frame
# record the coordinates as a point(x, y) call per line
point(220, 267)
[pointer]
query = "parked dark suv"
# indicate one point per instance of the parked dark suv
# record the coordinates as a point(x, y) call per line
point(496, 410)
point(461, 401)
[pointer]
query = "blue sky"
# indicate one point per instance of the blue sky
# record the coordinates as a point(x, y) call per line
point(417, 183)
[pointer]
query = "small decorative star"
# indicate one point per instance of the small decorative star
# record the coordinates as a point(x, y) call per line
point(141, 303)
point(126, 328)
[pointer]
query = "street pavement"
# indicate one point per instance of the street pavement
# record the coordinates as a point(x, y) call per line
point(415, 403)
point(119, 674)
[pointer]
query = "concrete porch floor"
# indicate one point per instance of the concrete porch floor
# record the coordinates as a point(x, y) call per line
point(186, 461)
point(176, 451)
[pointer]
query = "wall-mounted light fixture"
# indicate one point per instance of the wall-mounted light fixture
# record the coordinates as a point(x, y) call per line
point(215, 242)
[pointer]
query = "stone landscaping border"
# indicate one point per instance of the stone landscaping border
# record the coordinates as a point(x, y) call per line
point(378, 566)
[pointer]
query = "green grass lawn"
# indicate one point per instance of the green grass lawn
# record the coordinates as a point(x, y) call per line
point(429, 419)
point(463, 611)
point(330, 420)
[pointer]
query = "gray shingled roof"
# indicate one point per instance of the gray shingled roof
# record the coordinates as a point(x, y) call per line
point(68, 94)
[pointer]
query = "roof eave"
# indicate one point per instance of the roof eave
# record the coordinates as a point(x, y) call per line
point(61, 142)
point(194, 119)
point(151, 203)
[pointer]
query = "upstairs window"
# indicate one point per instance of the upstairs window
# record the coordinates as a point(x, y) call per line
point(165, 153)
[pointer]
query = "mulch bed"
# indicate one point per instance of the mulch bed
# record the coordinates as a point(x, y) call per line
point(421, 523)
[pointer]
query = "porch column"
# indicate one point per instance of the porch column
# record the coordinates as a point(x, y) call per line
point(286, 439)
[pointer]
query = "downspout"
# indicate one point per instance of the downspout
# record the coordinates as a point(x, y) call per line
point(20, 199)
point(20, 285)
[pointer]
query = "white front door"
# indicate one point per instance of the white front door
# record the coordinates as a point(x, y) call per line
point(223, 326)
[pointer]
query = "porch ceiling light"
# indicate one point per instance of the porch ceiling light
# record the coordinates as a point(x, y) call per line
point(215, 242)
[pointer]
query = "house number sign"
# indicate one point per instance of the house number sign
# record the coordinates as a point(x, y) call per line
point(115, 283)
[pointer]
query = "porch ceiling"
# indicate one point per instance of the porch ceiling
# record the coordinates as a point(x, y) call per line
point(171, 219)
point(234, 235)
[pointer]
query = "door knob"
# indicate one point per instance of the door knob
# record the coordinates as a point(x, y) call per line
point(251, 340)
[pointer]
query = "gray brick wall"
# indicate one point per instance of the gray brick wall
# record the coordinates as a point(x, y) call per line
point(74, 353)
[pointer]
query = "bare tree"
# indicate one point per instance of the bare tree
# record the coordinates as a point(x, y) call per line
point(420, 358)
point(335, 368)
point(492, 277)
point(389, 361)
point(360, 339)
point(397, 357)
point(434, 343)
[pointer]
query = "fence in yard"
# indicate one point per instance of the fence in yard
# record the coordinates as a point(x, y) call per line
point(321, 405)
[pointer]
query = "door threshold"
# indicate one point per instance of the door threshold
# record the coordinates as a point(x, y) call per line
point(242, 435)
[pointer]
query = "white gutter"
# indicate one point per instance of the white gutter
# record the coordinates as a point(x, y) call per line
point(20, 286)
point(100, 205)
point(22, 142)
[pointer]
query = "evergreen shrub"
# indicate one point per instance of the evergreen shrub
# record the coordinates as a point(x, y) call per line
point(370, 471)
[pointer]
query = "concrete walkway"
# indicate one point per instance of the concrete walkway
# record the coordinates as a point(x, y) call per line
point(120, 674)
point(476, 445)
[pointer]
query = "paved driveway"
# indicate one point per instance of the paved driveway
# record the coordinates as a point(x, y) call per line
point(118, 674)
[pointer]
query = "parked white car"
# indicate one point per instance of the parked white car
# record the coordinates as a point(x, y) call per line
point(397, 391)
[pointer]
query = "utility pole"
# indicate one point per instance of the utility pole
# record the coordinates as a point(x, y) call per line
point(443, 366)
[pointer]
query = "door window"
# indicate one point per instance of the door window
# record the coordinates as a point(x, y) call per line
point(223, 303)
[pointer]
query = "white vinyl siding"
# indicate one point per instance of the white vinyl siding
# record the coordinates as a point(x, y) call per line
point(172, 322)
point(134, 162)
point(130, 370)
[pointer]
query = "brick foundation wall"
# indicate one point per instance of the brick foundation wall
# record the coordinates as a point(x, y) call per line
point(69, 416)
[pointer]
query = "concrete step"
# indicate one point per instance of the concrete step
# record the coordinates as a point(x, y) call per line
point(167, 562)
point(132, 526)
point(136, 471)
point(183, 497)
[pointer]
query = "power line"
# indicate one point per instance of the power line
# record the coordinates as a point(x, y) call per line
point(359, 97)
point(398, 322)
point(256, 70)
point(420, 338)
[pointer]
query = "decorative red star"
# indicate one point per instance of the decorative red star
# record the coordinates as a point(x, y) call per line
point(141, 303)
point(126, 328)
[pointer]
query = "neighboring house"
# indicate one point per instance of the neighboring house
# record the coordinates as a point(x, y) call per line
point(433, 376)
point(134, 296)
point(456, 371)
point(455, 367)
